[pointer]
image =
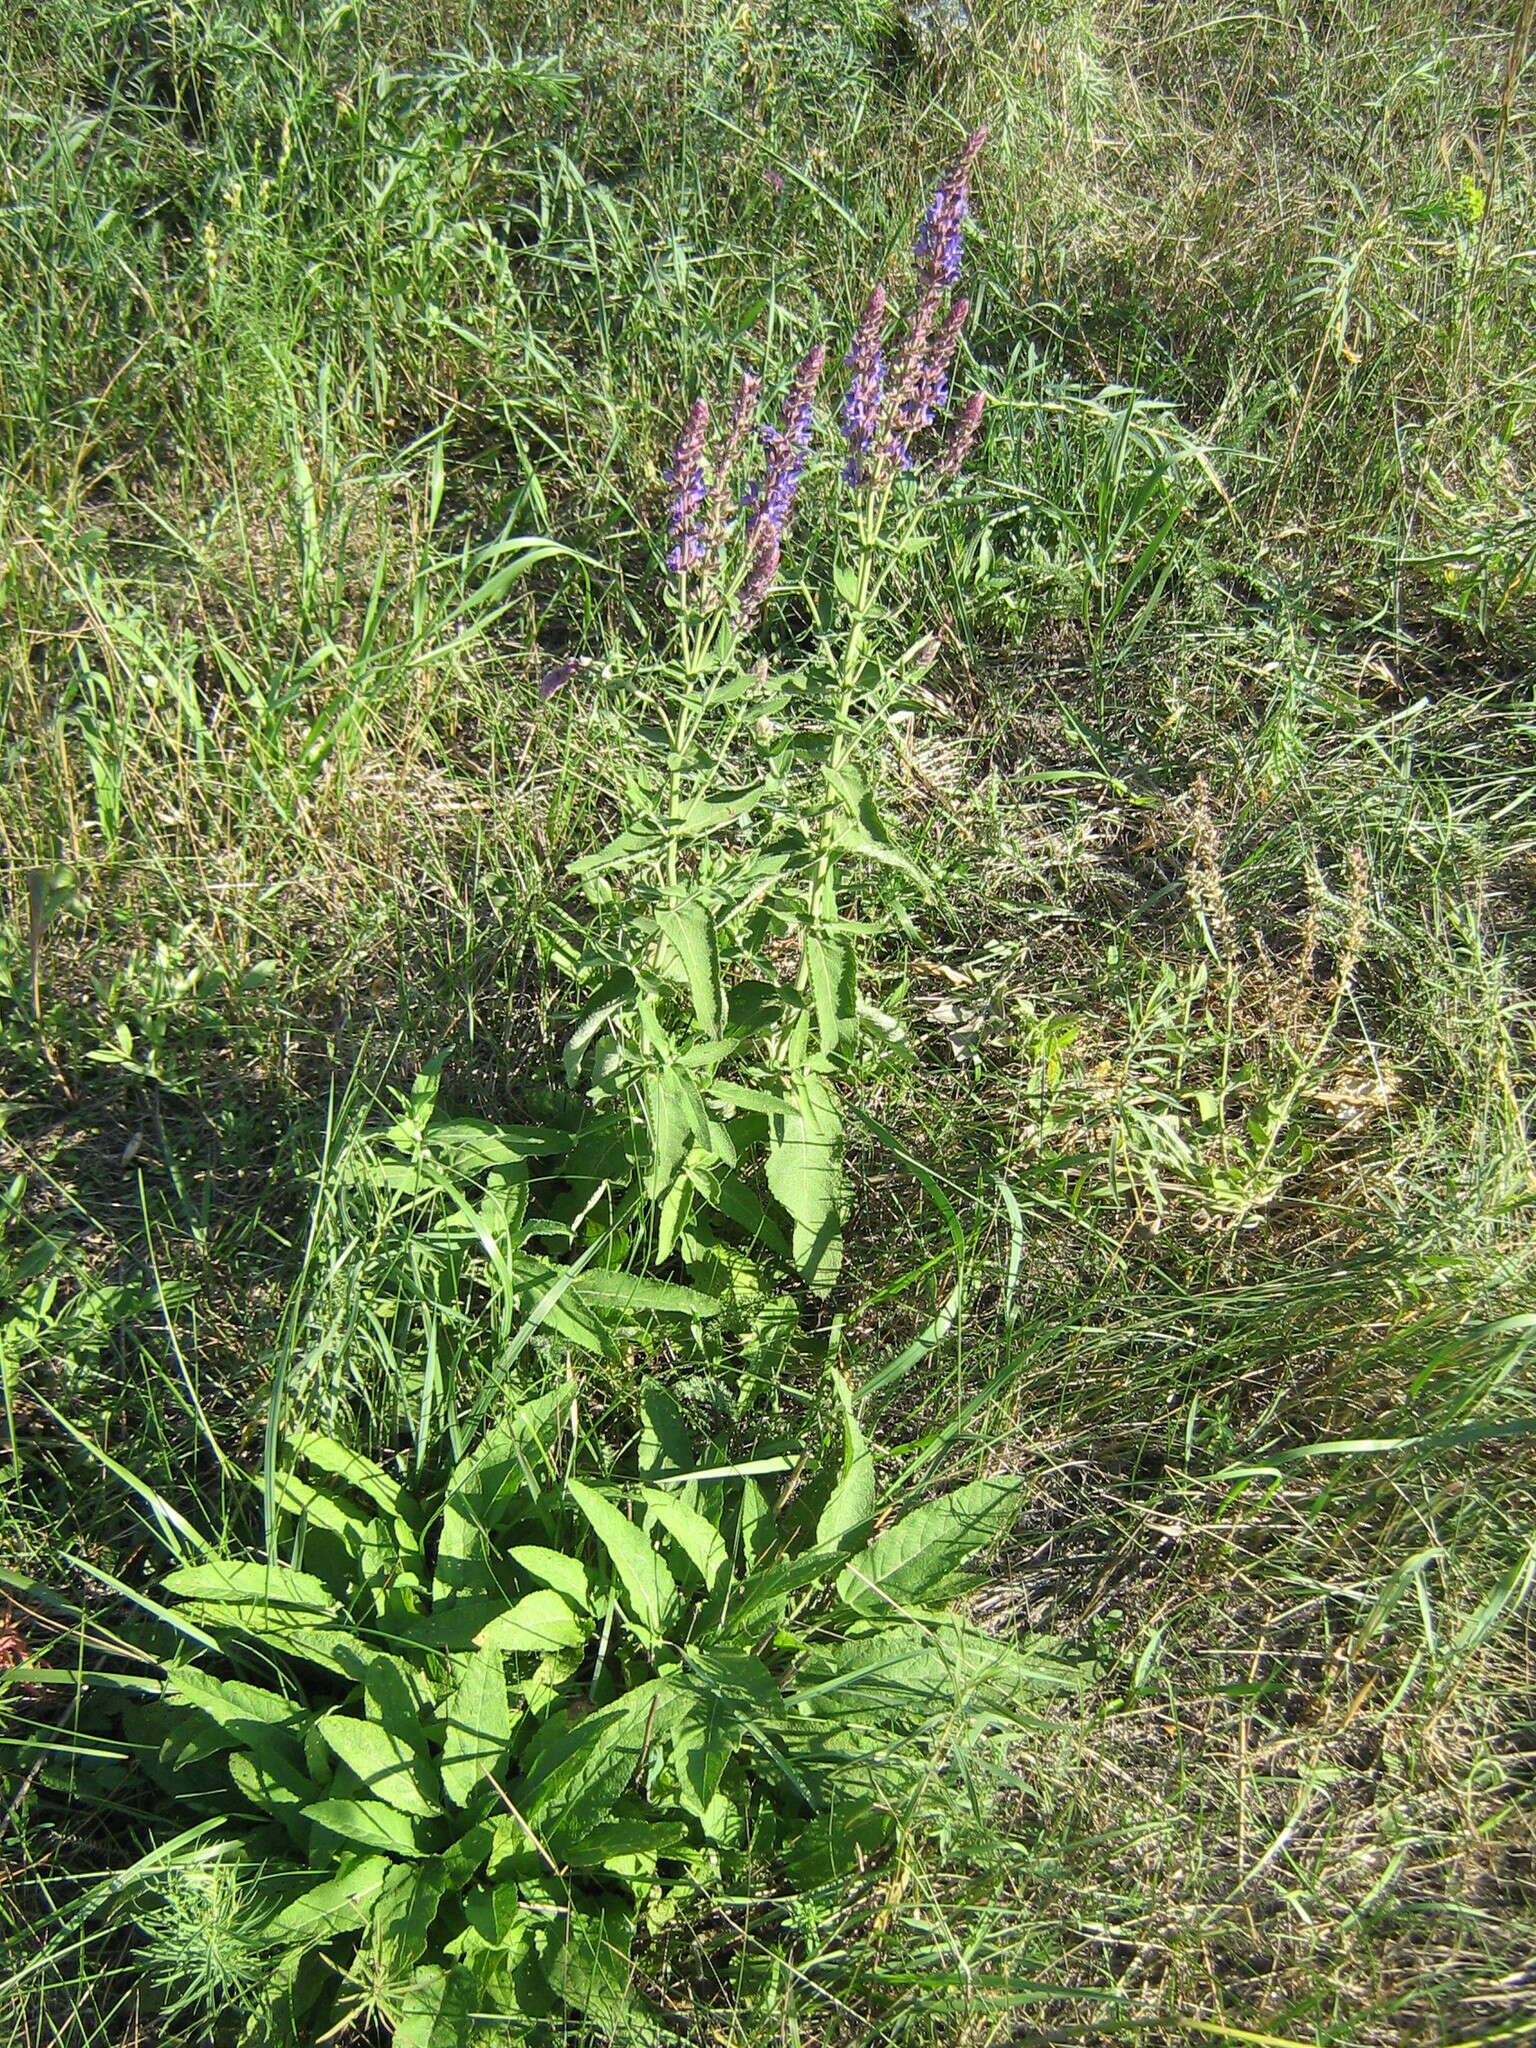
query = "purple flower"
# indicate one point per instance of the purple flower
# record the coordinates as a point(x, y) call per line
point(963, 439)
point(786, 448)
point(866, 388)
point(687, 473)
point(720, 505)
point(925, 392)
point(554, 680)
point(762, 567)
point(939, 239)
point(904, 403)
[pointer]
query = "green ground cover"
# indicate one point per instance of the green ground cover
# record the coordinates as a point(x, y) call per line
point(1186, 1198)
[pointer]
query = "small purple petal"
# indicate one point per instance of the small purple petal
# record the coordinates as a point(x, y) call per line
point(554, 680)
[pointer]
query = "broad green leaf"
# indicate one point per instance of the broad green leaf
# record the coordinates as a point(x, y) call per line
point(829, 960)
point(668, 1129)
point(319, 1510)
point(701, 1749)
point(550, 1678)
point(592, 1973)
point(804, 1169)
point(649, 1589)
point(924, 1670)
point(475, 1148)
point(388, 1760)
point(567, 1575)
point(275, 1591)
point(359, 1472)
point(437, 2009)
point(756, 1524)
point(733, 1674)
point(267, 1780)
point(636, 1293)
point(404, 1911)
point(737, 1199)
point(538, 1623)
point(496, 1913)
point(236, 1706)
point(337, 1906)
point(919, 1560)
point(576, 1773)
point(690, 932)
point(665, 1445)
point(394, 1691)
point(708, 813)
point(761, 1603)
point(818, 1253)
point(477, 1726)
point(368, 1822)
point(838, 1844)
point(698, 1538)
point(848, 1514)
point(617, 1841)
point(753, 1100)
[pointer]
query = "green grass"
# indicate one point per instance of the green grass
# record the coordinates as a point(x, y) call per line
point(1205, 1203)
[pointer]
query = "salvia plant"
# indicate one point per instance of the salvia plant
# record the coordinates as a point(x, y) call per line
point(717, 957)
point(442, 1750)
point(438, 1756)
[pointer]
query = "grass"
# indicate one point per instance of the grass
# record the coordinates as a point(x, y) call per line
point(340, 353)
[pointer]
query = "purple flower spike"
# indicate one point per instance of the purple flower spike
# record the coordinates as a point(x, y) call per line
point(786, 447)
point(866, 388)
point(963, 439)
point(939, 240)
point(720, 505)
point(763, 567)
point(926, 392)
point(687, 473)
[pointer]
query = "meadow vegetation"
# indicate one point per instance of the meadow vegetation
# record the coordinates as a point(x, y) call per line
point(1135, 1283)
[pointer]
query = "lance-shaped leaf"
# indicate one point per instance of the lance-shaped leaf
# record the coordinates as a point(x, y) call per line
point(650, 1592)
point(477, 1726)
point(919, 1560)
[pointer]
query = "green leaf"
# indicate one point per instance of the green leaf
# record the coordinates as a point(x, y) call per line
point(567, 1575)
point(804, 1169)
point(477, 1726)
point(404, 1911)
point(575, 1774)
point(690, 932)
point(925, 1670)
point(836, 1845)
point(849, 1513)
point(649, 1588)
point(388, 1760)
point(834, 986)
point(665, 1445)
point(267, 1780)
point(274, 1591)
point(342, 1903)
point(539, 1622)
point(359, 1472)
point(367, 1822)
point(617, 1841)
point(237, 1707)
point(592, 1974)
point(437, 2009)
point(761, 1603)
point(633, 1293)
point(698, 1538)
point(918, 1561)
point(668, 1129)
